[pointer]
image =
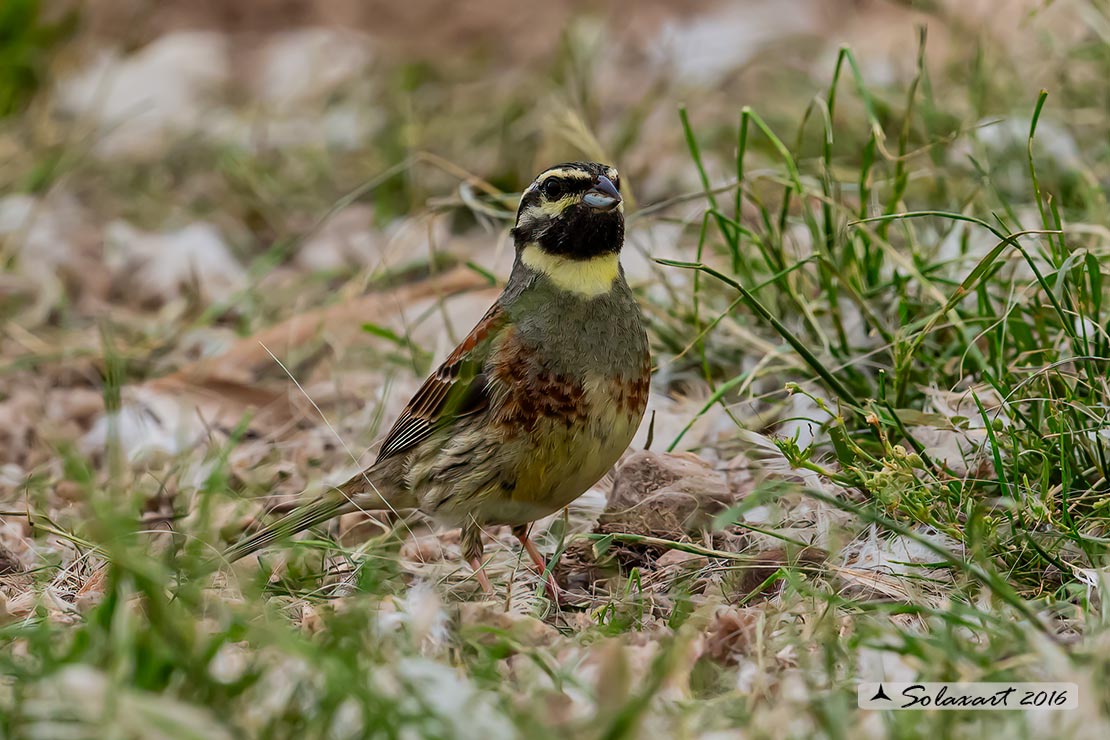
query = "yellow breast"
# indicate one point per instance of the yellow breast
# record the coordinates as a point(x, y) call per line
point(564, 461)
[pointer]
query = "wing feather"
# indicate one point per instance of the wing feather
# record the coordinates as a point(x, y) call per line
point(457, 388)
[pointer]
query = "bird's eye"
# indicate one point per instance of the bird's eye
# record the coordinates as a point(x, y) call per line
point(552, 189)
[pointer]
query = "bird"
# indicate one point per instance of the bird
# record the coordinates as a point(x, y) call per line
point(536, 404)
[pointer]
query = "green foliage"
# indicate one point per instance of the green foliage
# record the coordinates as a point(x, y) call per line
point(936, 328)
point(26, 43)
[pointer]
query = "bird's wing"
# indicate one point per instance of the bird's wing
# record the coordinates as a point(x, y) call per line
point(458, 388)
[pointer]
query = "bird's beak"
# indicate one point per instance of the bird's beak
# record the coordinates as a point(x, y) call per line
point(603, 196)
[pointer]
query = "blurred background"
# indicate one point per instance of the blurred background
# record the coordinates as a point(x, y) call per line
point(192, 172)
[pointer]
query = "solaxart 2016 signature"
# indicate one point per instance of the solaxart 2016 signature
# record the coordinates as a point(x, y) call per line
point(967, 696)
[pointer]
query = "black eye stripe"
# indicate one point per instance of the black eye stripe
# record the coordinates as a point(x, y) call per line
point(555, 188)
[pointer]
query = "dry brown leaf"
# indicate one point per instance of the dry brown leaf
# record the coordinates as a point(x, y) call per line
point(168, 414)
point(731, 634)
point(233, 373)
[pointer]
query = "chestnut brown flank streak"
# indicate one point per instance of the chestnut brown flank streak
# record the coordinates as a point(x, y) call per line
point(535, 392)
point(634, 396)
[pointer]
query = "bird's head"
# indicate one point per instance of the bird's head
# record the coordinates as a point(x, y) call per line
point(572, 211)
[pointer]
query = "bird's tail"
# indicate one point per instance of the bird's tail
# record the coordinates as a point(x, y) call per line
point(351, 496)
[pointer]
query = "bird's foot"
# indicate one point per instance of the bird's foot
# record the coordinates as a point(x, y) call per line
point(480, 574)
point(552, 586)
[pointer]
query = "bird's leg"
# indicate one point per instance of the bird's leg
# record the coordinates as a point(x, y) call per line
point(521, 533)
point(472, 549)
point(480, 574)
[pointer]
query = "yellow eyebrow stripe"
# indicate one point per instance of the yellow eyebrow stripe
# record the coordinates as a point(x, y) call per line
point(590, 278)
point(574, 174)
